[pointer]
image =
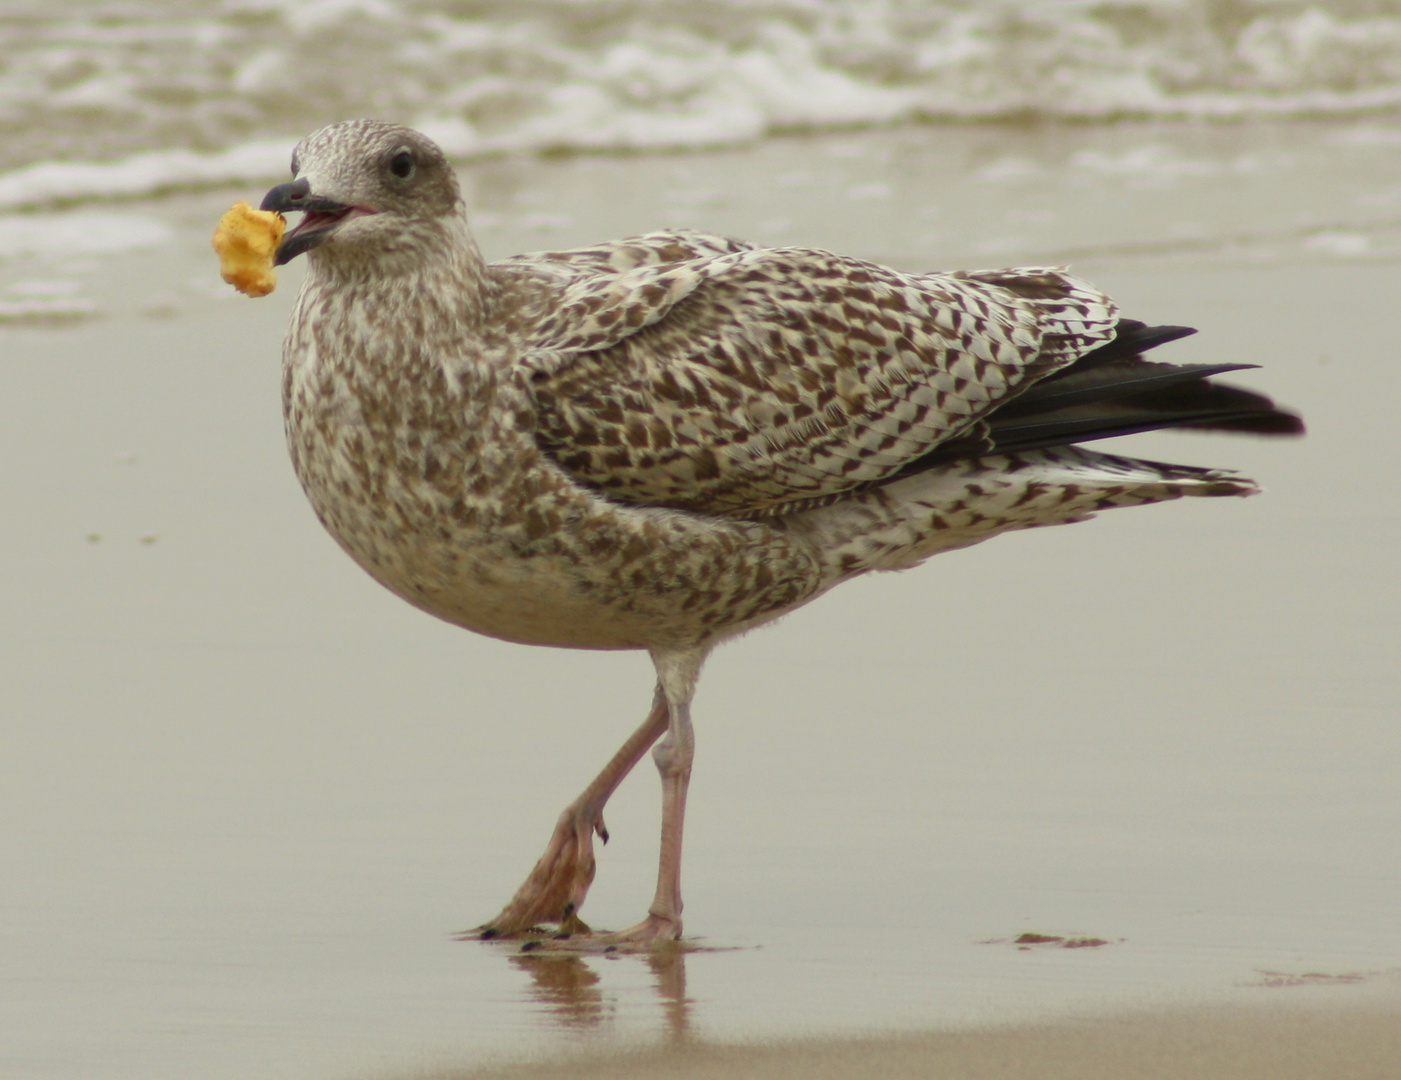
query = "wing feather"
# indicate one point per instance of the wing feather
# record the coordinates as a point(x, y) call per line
point(753, 382)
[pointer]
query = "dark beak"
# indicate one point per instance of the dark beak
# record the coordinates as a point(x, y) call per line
point(322, 216)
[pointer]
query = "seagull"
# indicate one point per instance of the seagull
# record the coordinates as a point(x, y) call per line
point(665, 441)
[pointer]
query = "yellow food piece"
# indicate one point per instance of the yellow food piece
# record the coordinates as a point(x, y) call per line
point(246, 241)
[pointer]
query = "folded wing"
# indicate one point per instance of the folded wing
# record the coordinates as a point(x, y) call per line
point(756, 382)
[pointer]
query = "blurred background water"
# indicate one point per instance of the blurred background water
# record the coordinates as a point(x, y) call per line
point(102, 97)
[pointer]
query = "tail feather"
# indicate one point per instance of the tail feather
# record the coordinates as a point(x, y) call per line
point(1113, 391)
point(901, 524)
point(1019, 467)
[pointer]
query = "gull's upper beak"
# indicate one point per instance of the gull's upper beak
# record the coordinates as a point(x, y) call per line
point(322, 217)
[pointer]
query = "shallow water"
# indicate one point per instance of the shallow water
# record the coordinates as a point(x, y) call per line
point(250, 795)
point(141, 84)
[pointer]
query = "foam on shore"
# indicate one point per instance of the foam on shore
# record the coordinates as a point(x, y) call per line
point(165, 94)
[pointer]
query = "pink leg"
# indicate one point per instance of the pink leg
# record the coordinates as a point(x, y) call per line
point(673, 756)
point(556, 888)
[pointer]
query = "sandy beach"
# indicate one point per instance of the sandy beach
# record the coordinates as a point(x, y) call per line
point(250, 796)
point(1239, 1044)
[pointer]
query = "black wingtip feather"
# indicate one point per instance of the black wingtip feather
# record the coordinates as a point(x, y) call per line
point(1112, 391)
point(1132, 338)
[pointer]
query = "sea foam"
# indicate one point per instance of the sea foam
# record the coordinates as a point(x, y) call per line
point(108, 101)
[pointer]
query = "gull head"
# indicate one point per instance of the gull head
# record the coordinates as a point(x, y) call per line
point(366, 189)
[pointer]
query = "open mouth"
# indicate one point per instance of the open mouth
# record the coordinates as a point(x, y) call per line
point(322, 217)
point(315, 227)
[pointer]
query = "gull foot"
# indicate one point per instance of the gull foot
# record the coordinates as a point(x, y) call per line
point(653, 930)
point(557, 887)
point(573, 936)
point(654, 936)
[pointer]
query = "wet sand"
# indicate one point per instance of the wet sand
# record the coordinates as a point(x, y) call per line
point(1230, 1044)
point(249, 795)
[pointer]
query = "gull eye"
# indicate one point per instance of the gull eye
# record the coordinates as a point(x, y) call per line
point(401, 164)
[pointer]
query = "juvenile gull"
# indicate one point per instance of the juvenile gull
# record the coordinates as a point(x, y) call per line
point(661, 442)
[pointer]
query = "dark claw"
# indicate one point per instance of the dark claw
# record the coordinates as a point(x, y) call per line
point(531, 946)
point(602, 830)
point(488, 932)
point(563, 937)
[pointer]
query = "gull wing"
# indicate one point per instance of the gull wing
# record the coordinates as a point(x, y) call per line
point(764, 380)
point(663, 248)
point(587, 299)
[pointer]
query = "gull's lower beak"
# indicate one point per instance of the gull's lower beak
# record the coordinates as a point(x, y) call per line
point(322, 216)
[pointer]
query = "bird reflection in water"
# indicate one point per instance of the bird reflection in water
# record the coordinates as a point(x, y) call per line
point(571, 991)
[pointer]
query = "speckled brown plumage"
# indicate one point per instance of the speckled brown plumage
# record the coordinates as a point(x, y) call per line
point(661, 442)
